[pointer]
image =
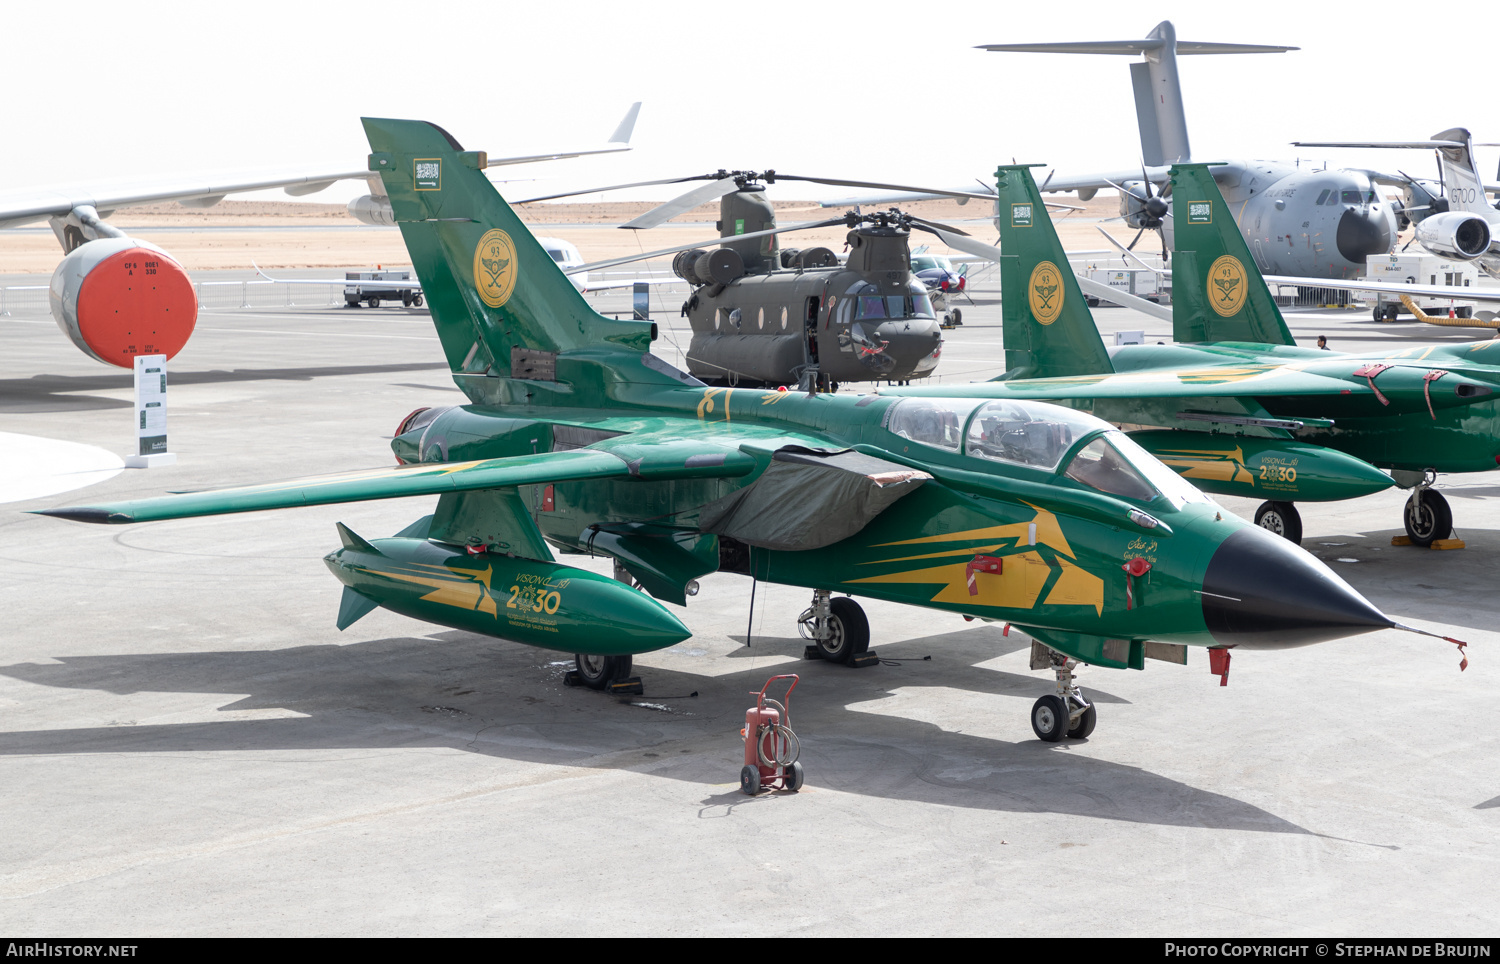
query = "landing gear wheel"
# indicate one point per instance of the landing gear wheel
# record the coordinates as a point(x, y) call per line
point(1379, 313)
point(597, 672)
point(1282, 519)
point(958, 317)
point(1392, 312)
point(406, 298)
point(1428, 518)
point(749, 780)
point(1049, 718)
point(792, 779)
point(848, 631)
point(1084, 725)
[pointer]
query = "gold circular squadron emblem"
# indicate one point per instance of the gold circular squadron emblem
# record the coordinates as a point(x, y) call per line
point(1045, 293)
point(1227, 285)
point(495, 268)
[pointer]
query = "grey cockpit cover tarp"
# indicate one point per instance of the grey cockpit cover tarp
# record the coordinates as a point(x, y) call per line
point(807, 500)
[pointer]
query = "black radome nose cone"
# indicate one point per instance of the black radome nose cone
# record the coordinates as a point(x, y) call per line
point(1361, 234)
point(1263, 592)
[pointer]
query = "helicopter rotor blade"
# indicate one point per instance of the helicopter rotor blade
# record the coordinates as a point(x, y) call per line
point(876, 185)
point(933, 226)
point(712, 243)
point(615, 187)
point(683, 203)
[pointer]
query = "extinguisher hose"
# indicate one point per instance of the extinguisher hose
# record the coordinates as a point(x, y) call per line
point(785, 747)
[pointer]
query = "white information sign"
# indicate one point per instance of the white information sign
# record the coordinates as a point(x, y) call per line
point(150, 413)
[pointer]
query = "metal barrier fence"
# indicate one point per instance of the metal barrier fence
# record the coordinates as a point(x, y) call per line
point(32, 299)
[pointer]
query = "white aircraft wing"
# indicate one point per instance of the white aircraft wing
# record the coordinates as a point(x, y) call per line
point(1392, 288)
point(23, 207)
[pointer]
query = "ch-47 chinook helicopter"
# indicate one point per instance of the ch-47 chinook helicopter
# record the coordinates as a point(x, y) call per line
point(577, 437)
point(764, 315)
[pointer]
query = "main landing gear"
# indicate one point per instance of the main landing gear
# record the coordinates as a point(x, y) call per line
point(1064, 713)
point(837, 630)
point(1428, 517)
point(1281, 518)
point(608, 673)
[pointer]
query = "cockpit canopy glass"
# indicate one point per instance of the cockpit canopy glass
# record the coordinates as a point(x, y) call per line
point(869, 304)
point(1028, 433)
point(1115, 464)
point(932, 421)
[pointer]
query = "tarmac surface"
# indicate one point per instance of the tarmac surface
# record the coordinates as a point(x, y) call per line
point(189, 747)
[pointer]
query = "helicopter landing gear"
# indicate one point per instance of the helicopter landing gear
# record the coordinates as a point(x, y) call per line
point(1064, 713)
point(1428, 517)
point(1281, 518)
point(837, 629)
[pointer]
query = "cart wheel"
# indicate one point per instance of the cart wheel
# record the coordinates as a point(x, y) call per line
point(749, 780)
point(1281, 518)
point(1429, 520)
point(1085, 725)
point(1049, 718)
point(792, 777)
point(850, 631)
point(373, 301)
point(416, 300)
point(597, 672)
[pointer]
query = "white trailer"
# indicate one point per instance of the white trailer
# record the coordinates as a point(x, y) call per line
point(1419, 269)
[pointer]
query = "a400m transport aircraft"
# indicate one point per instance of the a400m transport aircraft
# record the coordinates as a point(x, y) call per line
point(577, 437)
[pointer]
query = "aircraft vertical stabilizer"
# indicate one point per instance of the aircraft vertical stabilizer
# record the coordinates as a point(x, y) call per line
point(1218, 293)
point(1049, 331)
point(1158, 95)
point(500, 303)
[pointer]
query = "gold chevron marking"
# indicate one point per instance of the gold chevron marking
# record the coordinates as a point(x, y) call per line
point(470, 593)
point(1222, 466)
point(1077, 587)
point(1048, 533)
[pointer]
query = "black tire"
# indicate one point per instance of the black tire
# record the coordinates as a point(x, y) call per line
point(793, 777)
point(958, 317)
point(849, 631)
point(1429, 520)
point(1081, 729)
point(1464, 312)
point(1049, 718)
point(373, 301)
point(1379, 313)
point(406, 298)
point(1392, 312)
point(416, 300)
point(749, 780)
point(597, 672)
point(1282, 519)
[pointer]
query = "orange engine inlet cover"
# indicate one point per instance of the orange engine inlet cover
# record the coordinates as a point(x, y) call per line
point(136, 302)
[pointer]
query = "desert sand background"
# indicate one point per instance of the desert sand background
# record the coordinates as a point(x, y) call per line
point(280, 234)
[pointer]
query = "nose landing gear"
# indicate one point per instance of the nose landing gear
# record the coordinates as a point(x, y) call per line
point(1064, 713)
point(1427, 517)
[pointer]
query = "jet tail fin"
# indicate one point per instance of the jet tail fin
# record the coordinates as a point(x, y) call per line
point(1463, 186)
point(1218, 293)
point(1048, 331)
point(500, 304)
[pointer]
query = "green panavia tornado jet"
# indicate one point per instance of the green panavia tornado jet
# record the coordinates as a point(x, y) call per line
point(1235, 405)
point(577, 437)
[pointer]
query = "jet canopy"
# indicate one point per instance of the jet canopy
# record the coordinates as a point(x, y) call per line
point(1042, 436)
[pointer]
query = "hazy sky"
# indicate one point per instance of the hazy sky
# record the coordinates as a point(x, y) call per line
point(886, 91)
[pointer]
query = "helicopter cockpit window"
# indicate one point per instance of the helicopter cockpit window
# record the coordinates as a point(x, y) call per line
point(914, 304)
point(931, 421)
point(1116, 464)
point(1027, 433)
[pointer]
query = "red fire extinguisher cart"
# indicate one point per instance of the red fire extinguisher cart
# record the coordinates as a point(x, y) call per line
point(771, 748)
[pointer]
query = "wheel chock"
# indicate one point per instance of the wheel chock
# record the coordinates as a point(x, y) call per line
point(629, 686)
point(570, 678)
point(811, 652)
point(867, 658)
point(1400, 540)
point(1447, 544)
